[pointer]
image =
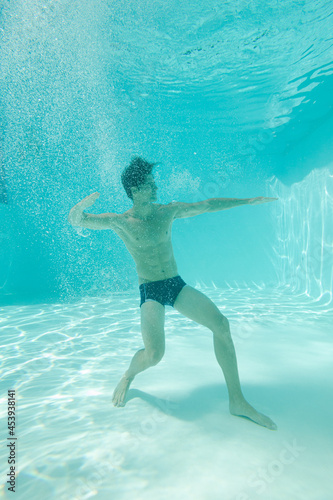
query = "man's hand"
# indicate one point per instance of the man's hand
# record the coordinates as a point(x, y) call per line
point(260, 199)
point(88, 200)
point(76, 213)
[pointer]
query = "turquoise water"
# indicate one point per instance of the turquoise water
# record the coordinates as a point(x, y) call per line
point(234, 100)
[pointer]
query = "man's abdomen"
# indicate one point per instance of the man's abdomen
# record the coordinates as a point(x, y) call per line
point(155, 270)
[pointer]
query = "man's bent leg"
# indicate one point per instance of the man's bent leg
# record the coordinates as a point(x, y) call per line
point(152, 329)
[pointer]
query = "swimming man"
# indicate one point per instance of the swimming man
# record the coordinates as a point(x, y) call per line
point(146, 231)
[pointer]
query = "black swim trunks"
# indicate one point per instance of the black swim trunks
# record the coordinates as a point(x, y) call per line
point(163, 291)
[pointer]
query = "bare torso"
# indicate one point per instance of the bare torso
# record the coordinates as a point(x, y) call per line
point(149, 242)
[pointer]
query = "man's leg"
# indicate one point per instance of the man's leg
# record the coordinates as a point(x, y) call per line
point(152, 329)
point(195, 305)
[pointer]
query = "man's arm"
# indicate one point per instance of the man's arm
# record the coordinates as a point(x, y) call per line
point(213, 205)
point(76, 216)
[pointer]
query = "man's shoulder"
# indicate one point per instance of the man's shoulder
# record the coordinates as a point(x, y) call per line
point(169, 208)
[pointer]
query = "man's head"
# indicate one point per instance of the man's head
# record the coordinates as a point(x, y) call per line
point(137, 178)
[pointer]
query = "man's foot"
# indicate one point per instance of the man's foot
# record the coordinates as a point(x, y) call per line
point(244, 409)
point(120, 391)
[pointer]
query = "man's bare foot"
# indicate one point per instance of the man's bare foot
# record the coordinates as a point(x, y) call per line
point(120, 391)
point(244, 409)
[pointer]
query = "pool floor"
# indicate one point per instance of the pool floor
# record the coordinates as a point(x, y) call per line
point(175, 438)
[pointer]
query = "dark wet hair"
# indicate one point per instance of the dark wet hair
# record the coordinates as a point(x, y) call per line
point(135, 174)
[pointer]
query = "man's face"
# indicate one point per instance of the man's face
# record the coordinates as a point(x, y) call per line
point(147, 191)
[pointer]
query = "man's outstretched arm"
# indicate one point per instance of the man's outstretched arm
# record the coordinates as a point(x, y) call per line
point(216, 204)
point(213, 205)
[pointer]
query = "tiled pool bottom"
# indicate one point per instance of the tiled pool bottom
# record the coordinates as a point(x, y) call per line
point(175, 437)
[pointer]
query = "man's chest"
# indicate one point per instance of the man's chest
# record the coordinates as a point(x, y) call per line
point(149, 233)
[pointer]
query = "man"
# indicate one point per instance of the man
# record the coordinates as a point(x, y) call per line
point(146, 231)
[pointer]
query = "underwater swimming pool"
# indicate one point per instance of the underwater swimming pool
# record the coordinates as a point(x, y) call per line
point(232, 100)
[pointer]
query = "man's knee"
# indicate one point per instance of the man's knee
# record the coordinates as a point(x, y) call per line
point(221, 325)
point(155, 355)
